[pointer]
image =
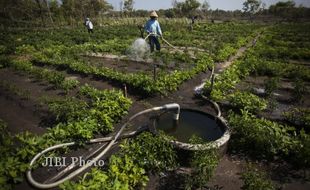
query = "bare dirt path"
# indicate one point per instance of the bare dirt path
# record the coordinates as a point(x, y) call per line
point(24, 114)
point(28, 114)
point(227, 174)
point(19, 118)
point(220, 67)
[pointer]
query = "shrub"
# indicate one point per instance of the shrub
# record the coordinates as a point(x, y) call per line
point(247, 101)
point(300, 90)
point(203, 163)
point(269, 68)
point(300, 156)
point(128, 168)
point(256, 180)
point(259, 137)
point(299, 117)
point(154, 153)
point(271, 84)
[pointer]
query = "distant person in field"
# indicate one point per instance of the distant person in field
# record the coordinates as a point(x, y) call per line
point(193, 19)
point(152, 27)
point(89, 25)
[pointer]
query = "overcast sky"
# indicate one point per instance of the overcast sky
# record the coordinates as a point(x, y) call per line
point(214, 4)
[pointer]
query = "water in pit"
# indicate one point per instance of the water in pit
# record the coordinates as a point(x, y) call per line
point(190, 123)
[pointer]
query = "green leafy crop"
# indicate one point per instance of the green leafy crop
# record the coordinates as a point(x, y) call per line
point(128, 168)
point(247, 101)
point(256, 180)
point(260, 137)
point(203, 163)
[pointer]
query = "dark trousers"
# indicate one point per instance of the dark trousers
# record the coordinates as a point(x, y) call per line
point(90, 31)
point(154, 41)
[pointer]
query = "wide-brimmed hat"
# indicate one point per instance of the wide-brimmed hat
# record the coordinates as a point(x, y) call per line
point(153, 14)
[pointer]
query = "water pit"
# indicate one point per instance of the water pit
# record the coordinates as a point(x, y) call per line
point(210, 128)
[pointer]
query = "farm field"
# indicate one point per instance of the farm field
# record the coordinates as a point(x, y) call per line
point(63, 85)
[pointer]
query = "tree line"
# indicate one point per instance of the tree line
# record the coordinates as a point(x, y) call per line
point(54, 12)
point(51, 11)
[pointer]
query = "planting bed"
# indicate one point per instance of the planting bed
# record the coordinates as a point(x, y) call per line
point(265, 95)
point(50, 94)
point(131, 66)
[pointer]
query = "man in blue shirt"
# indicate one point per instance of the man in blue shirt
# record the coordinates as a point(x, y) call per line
point(152, 27)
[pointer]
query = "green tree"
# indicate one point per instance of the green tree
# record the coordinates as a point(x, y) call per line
point(14, 10)
point(283, 9)
point(251, 7)
point(205, 7)
point(70, 10)
point(188, 7)
point(174, 3)
point(48, 11)
point(128, 5)
point(77, 10)
point(25, 10)
point(169, 13)
point(55, 10)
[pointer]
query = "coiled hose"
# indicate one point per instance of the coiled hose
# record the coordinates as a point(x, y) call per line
point(112, 140)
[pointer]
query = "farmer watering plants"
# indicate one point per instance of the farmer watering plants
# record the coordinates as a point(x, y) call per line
point(152, 27)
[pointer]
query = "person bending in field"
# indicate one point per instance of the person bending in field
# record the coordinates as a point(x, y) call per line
point(152, 27)
point(193, 19)
point(89, 25)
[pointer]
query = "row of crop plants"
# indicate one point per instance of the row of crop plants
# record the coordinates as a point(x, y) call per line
point(64, 57)
point(63, 47)
point(116, 40)
point(80, 118)
point(76, 119)
point(219, 40)
point(252, 134)
point(203, 164)
point(57, 79)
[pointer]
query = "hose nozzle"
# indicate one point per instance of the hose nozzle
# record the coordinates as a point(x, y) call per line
point(172, 106)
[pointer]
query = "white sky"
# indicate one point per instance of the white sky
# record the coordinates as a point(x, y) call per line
point(214, 4)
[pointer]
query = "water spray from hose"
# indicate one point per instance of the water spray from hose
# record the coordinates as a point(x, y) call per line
point(139, 50)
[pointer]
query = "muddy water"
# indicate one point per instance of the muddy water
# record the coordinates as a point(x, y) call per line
point(190, 123)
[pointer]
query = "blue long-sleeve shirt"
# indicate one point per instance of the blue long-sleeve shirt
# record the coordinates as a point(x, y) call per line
point(152, 26)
